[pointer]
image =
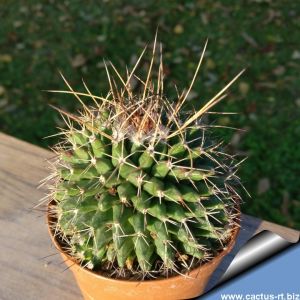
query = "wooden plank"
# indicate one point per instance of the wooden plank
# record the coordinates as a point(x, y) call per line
point(25, 270)
point(291, 235)
point(24, 273)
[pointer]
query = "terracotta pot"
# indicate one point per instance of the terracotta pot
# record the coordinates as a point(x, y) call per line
point(97, 287)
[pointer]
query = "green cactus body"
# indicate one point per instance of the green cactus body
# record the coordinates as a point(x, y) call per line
point(138, 184)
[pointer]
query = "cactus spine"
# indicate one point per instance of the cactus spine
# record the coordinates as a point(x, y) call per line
point(139, 186)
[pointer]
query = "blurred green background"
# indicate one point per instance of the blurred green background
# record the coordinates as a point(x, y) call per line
point(38, 38)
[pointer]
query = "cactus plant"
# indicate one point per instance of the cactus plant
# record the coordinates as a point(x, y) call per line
point(139, 187)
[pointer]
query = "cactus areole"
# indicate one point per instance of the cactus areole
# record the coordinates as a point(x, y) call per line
point(139, 188)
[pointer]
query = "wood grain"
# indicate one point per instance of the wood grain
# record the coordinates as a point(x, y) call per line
point(24, 272)
point(30, 268)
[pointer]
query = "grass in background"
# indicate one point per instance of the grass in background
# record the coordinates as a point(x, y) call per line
point(39, 37)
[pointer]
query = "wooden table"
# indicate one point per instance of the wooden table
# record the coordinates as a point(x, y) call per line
point(30, 267)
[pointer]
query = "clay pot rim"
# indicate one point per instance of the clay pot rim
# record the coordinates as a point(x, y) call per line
point(220, 255)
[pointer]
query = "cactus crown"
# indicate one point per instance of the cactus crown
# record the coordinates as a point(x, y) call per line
point(139, 187)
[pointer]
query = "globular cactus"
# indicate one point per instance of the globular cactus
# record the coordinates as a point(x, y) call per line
point(139, 185)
